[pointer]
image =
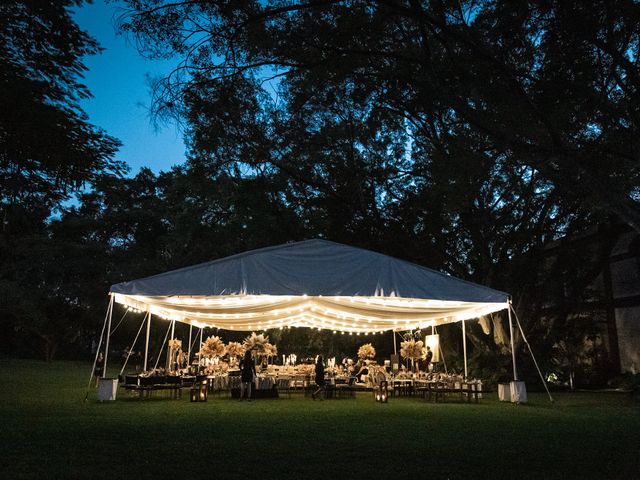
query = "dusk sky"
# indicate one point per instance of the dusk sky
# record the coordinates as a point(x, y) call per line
point(118, 80)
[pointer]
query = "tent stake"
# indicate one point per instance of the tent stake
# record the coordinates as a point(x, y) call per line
point(544, 382)
point(513, 349)
point(464, 348)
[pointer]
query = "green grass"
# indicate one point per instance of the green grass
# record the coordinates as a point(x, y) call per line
point(48, 431)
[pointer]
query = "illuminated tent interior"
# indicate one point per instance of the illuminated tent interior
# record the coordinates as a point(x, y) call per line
point(314, 283)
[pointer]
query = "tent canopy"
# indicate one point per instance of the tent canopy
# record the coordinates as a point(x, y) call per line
point(314, 283)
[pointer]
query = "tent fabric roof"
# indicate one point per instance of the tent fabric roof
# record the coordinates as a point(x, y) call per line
point(313, 268)
point(315, 283)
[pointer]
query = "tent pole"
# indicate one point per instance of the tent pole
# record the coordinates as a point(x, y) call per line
point(106, 348)
point(395, 348)
point(464, 348)
point(441, 352)
point(162, 347)
point(132, 347)
point(95, 360)
point(201, 330)
point(513, 350)
point(146, 342)
point(544, 382)
point(189, 351)
point(170, 348)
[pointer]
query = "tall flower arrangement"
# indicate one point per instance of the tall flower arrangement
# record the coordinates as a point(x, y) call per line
point(212, 347)
point(256, 343)
point(235, 350)
point(412, 349)
point(270, 350)
point(366, 352)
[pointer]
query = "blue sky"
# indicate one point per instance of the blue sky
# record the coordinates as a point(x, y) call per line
point(117, 79)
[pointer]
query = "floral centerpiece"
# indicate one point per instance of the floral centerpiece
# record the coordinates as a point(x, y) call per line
point(366, 352)
point(235, 350)
point(213, 347)
point(270, 350)
point(219, 368)
point(256, 343)
point(412, 349)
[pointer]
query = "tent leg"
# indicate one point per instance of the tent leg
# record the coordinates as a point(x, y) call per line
point(106, 348)
point(135, 340)
point(162, 347)
point(189, 351)
point(395, 348)
point(95, 360)
point(441, 351)
point(524, 338)
point(464, 348)
point(146, 342)
point(169, 362)
point(513, 350)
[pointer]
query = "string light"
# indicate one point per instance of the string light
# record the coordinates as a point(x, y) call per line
point(347, 313)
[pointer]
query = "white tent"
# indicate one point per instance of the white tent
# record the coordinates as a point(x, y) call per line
point(316, 284)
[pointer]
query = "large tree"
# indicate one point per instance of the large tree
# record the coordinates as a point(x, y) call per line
point(553, 86)
point(465, 135)
point(48, 151)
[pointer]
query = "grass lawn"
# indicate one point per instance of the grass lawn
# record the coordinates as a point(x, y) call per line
point(49, 431)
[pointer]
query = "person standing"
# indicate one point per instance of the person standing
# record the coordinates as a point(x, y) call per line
point(428, 358)
point(99, 373)
point(248, 372)
point(319, 377)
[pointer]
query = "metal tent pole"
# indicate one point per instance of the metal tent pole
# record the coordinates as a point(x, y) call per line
point(524, 338)
point(146, 342)
point(169, 362)
point(513, 350)
point(189, 351)
point(395, 348)
point(464, 348)
point(106, 348)
point(162, 347)
point(132, 346)
point(95, 360)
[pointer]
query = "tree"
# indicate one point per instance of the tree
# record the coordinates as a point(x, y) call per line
point(48, 151)
point(551, 86)
point(462, 135)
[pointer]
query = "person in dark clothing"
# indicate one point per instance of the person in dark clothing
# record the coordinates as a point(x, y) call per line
point(248, 372)
point(99, 373)
point(428, 358)
point(319, 377)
